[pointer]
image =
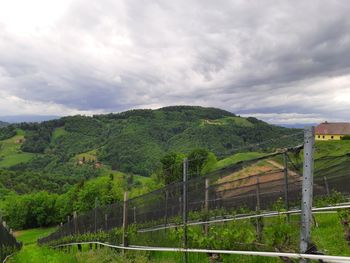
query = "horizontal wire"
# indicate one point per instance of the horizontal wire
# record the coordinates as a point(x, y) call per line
point(341, 259)
point(232, 218)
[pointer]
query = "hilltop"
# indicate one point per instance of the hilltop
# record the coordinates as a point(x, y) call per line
point(134, 141)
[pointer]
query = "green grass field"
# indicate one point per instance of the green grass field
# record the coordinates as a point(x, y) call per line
point(32, 253)
point(238, 158)
point(10, 151)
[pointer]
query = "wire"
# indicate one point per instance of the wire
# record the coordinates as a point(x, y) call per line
point(338, 259)
point(235, 150)
point(233, 218)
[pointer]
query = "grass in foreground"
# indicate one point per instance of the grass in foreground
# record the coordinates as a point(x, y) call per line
point(32, 253)
point(329, 235)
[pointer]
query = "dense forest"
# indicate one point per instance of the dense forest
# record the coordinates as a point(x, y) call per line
point(60, 166)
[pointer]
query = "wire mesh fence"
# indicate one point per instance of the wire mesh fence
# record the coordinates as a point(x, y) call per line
point(8, 243)
point(244, 187)
point(239, 196)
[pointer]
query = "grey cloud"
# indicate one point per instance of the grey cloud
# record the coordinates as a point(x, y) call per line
point(246, 56)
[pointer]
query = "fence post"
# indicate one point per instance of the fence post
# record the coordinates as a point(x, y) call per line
point(184, 207)
point(180, 205)
point(307, 189)
point(75, 223)
point(134, 208)
point(125, 221)
point(257, 192)
point(286, 197)
point(69, 226)
point(96, 205)
point(206, 205)
point(166, 207)
point(326, 185)
point(258, 219)
point(106, 222)
point(75, 220)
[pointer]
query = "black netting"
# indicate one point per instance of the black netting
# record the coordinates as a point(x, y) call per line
point(249, 188)
point(8, 243)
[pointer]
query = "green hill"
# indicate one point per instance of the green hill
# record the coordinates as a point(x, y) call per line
point(134, 141)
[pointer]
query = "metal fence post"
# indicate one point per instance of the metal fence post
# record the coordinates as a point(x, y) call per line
point(125, 221)
point(206, 205)
point(180, 205)
point(134, 210)
point(184, 207)
point(75, 223)
point(106, 222)
point(307, 189)
point(258, 219)
point(286, 197)
point(166, 208)
point(76, 230)
point(326, 185)
point(257, 193)
point(95, 219)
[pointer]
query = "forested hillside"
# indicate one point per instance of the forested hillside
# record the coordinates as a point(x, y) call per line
point(59, 166)
point(134, 141)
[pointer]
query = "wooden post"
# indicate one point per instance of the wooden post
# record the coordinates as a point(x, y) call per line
point(286, 188)
point(326, 185)
point(166, 208)
point(180, 205)
point(125, 221)
point(95, 216)
point(106, 222)
point(258, 219)
point(69, 226)
point(75, 223)
point(307, 190)
point(134, 214)
point(257, 192)
point(206, 205)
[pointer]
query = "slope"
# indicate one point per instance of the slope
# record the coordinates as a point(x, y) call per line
point(134, 141)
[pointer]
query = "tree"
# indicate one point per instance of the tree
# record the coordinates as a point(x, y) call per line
point(172, 167)
point(200, 162)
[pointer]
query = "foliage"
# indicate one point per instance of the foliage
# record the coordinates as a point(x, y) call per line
point(32, 210)
point(344, 216)
point(279, 234)
point(7, 132)
point(198, 158)
point(172, 166)
point(135, 141)
point(44, 209)
point(334, 198)
point(346, 137)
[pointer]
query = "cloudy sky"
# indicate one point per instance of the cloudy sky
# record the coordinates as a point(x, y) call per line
point(282, 61)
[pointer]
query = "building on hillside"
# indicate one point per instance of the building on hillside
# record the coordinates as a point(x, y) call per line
point(331, 130)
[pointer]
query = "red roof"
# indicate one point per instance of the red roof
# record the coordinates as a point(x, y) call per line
point(335, 128)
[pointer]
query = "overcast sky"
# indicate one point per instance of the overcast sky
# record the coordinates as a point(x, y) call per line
point(282, 61)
